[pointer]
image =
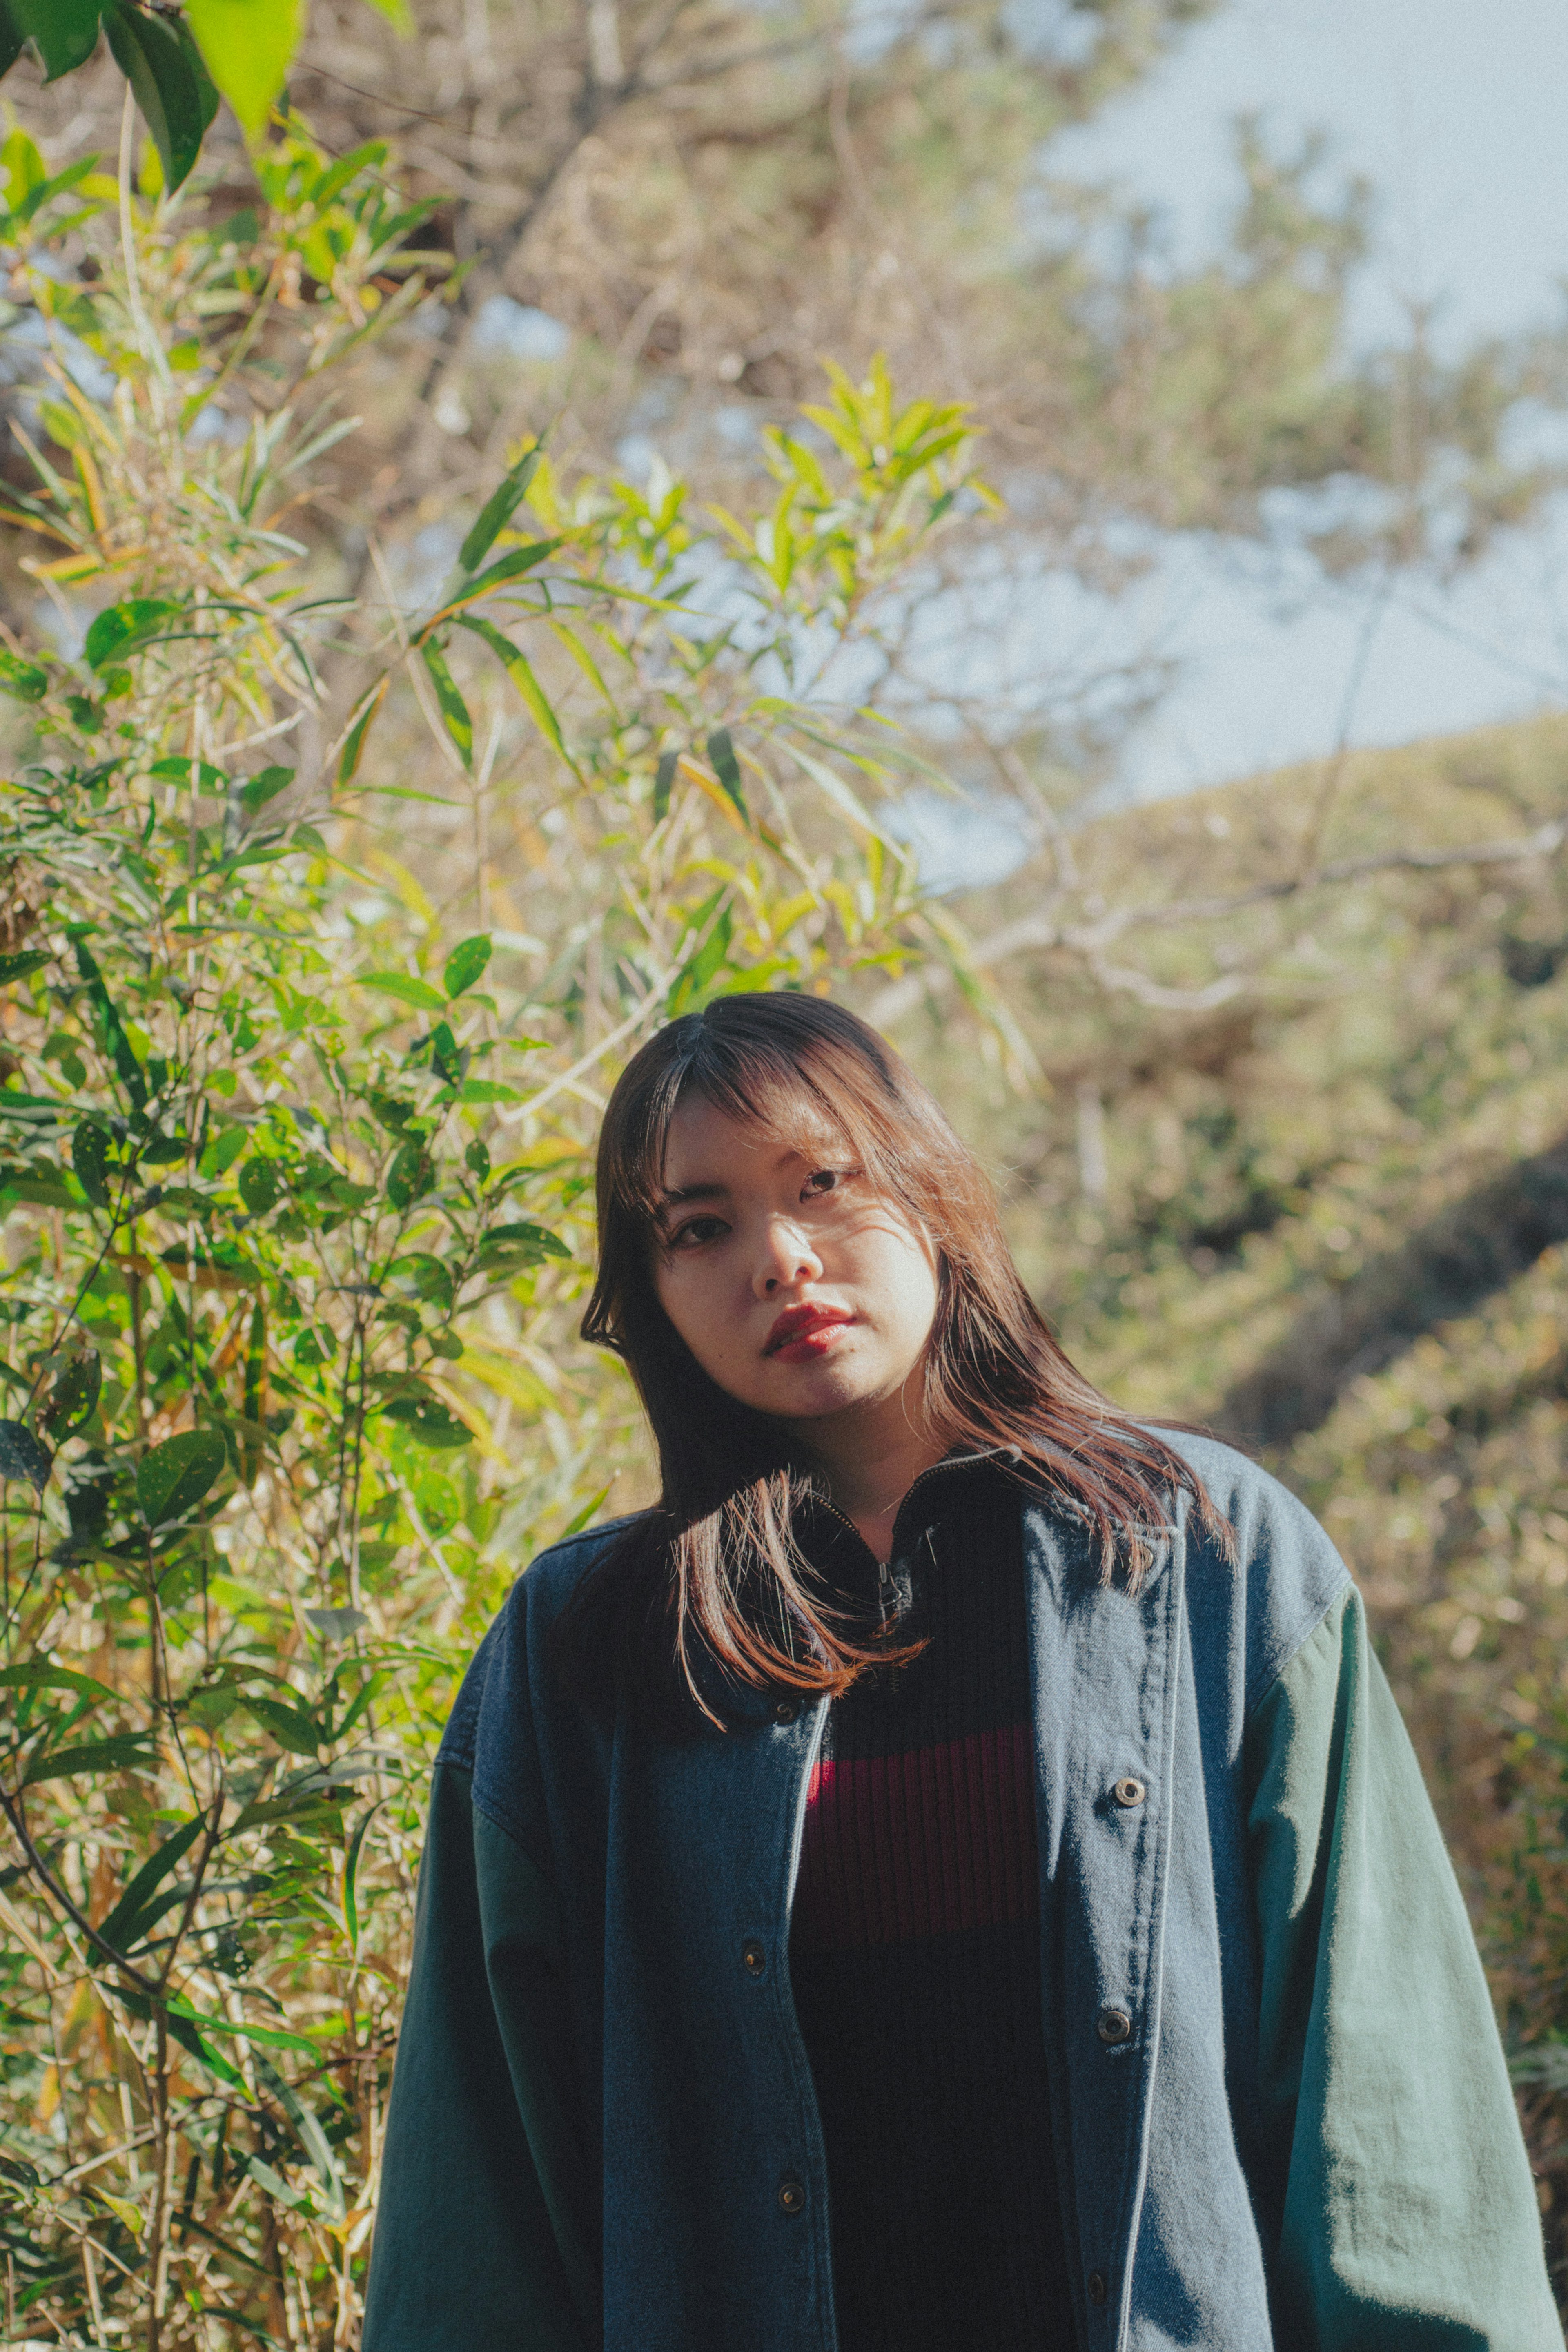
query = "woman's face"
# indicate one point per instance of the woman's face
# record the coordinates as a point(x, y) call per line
point(798, 1288)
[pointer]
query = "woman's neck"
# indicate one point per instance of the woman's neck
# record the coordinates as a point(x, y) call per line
point(868, 1462)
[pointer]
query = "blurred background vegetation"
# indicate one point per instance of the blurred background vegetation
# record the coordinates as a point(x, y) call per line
point(494, 553)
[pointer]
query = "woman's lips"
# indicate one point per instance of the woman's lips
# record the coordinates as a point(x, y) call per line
point(804, 1332)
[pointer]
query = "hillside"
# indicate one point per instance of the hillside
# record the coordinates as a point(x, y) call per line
point(1328, 1217)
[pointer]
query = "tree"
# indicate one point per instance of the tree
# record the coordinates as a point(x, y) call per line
point(295, 1156)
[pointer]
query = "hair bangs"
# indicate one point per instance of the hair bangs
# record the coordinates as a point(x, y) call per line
point(795, 1088)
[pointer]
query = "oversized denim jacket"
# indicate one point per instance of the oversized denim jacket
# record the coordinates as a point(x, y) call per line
point(1281, 2112)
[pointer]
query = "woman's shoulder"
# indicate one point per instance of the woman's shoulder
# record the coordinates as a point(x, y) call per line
point(1266, 1591)
point(498, 1686)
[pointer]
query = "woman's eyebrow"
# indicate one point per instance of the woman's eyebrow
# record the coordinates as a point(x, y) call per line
point(678, 1198)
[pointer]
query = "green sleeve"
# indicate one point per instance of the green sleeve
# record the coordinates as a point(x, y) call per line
point(1409, 2220)
point(481, 2242)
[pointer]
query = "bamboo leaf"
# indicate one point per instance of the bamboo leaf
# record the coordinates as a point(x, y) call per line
point(406, 989)
point(519, 671)
point(513, 565)
point(131, 1751)
point(120, 1928)
point(497, 511)
point(455, 716)
point(354, 743)
point(273, 2036)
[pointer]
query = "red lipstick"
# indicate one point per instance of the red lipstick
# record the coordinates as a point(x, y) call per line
point(802, 1332)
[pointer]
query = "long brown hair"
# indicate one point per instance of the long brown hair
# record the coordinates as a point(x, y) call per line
point(712, 1578)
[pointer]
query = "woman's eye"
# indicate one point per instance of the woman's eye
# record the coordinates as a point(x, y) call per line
point(697, 1231)
point(824, 1181)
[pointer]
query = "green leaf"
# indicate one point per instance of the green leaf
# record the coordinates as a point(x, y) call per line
point(510, 566)
point(497, 511)
point(487, 1090)
point(351, 1872)
point(454, 712)
point(171, 1480)
point(11, 42)
point(726, 767)
point(275, 2037)
point(427, 1419)
point(72, 1395)
point(521, 1235)
point(259, 1185)
point(89, 1158)
point(289, 1725)
point(521, 672)
point(406, 989)
point(42, 1677)
point(337, 176)
point(266, 786)
point(126, 1916)
point(310, 2135)
point(17, 967)
point(121, 629)
point(411, 1175)
point(355, 742)
point(200, 772)
point(589, 1512)
point(430, 1278)
point(22, 1455)
point(299, 1801)
point(130, 1752)
point(219, 1155)
point(24, 679)
point(64, 32)
point(336, 1624)
point(186, 2035)
point(172, 86)
point(664, 778)
point(111, 1030)
point(465, 963)
point(248, 46)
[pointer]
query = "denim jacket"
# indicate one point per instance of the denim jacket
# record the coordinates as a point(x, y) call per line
point(1280, 2109)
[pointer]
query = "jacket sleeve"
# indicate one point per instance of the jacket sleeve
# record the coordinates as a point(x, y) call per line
point(479, 2243)
point(1409, 2219)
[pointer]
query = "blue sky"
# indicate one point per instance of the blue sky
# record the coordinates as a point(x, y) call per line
point(1458, 114)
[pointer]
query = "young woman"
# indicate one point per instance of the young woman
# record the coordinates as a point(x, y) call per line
point(951, 1876)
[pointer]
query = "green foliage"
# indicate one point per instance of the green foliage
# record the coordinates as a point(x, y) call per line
point(1313, 1168)
point(294, 1174)
point(177, 63)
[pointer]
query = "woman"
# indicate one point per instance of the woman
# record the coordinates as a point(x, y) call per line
point(949, 1878)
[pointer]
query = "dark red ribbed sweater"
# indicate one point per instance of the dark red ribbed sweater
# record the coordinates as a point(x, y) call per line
point(915, 1947)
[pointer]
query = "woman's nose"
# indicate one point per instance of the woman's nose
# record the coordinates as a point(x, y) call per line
point(787, 1257)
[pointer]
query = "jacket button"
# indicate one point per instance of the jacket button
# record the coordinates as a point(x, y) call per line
point(1114, 2025)
point(786, 1711)
point(1096, 2286)
point(753, 1958)
point(1129, 1792)
point(792, 2196)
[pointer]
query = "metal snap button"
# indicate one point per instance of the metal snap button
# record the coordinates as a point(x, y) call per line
point(1129, 1792)
point(1096, 2284)
point(753, 1958)
point(792, 2196)
point(1114, 2025)
point(786, 1711)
